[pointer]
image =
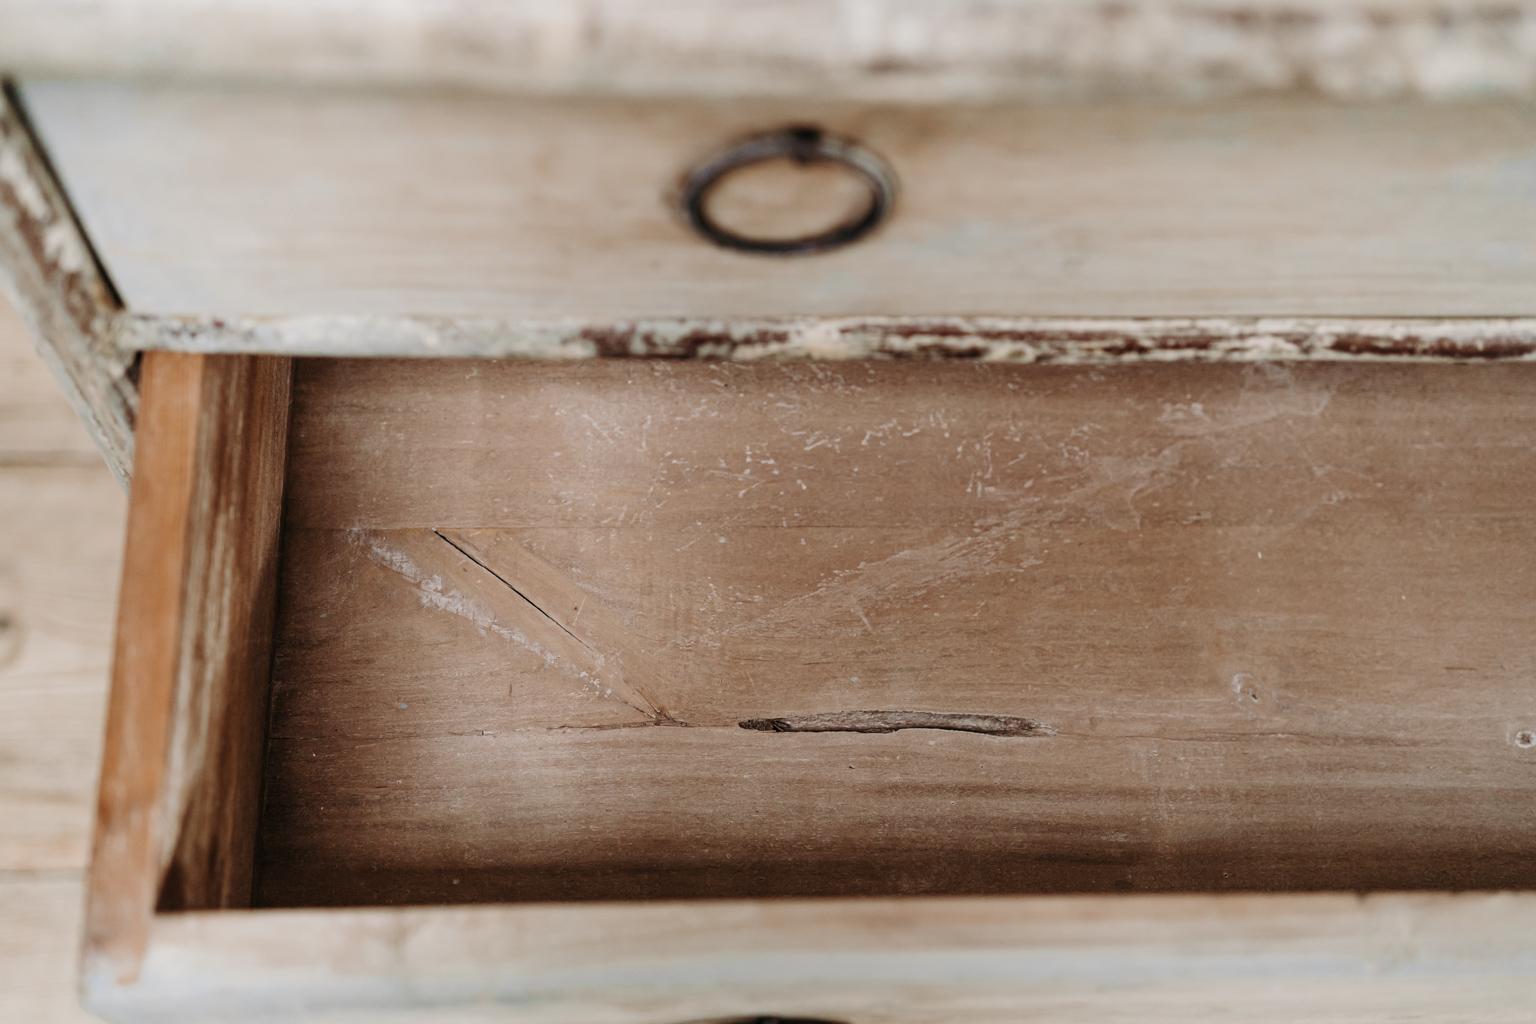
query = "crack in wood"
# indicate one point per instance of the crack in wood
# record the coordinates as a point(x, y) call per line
point(895, 721)
point(513, 587)
point(606, 675)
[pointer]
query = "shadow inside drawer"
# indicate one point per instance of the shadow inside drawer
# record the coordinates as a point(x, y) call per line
point(620, 630)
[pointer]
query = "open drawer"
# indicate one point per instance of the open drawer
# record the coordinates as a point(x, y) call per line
point(656, 692)
point(1130, 620)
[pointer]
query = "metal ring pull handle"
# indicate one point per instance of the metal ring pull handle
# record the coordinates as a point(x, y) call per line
point(803, 144)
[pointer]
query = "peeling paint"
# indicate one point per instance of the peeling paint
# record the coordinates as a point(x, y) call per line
point(49, 274)
point(885, 50)
point(1040, 340)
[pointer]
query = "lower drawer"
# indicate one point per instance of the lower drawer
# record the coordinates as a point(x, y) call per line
point(885, 692)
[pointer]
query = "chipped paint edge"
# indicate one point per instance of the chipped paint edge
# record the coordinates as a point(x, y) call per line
point(52, 278)
point(1030, 340)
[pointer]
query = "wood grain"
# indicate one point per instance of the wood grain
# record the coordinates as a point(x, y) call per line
point(39, 930)
point(1106, 960)
point(180, 783)
point(1269, 615)
point(59, 555)
point(60, 549)
point(241, 202)
point(908, 49)
point(49, 275)
point(37, 426)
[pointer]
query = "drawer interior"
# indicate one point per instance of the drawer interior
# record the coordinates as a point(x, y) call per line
point(632, 630)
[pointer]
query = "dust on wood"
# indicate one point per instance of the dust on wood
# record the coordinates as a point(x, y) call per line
point(1224, 588)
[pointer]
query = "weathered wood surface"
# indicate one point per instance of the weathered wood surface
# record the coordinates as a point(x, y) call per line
point(37, 426)
point(1270, 619)
point(1104, 960)
point(50, 276)
point(992, 339)
point(61, 541)
point(39, 941)
point(531, 211)
point(181, 769)
point(908, 49)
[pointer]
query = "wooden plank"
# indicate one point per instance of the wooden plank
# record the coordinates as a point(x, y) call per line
point(180, 783)
point(1267, 615)
point(1077, 341)
point(59, 554)
point(59, 557)
point(907, 49)
point(1368, 960)
point(535, 210)
point(59, 551)
point(39, 930)
point(37, 427)
point(50, 276)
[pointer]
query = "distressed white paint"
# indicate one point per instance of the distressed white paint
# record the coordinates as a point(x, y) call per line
point(907, 49)
point(266, 202)
point(993, 339)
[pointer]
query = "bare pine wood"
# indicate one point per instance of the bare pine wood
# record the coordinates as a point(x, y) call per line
point(540, 210)
point(1266, 619)
point(909, 49)
point(59, 552)
point(39, 940)
point(1166, 960)
point(37, 426)
point(181, 771)
point(50, 276)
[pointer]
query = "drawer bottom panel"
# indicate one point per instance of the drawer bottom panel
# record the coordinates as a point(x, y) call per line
point(655, 631)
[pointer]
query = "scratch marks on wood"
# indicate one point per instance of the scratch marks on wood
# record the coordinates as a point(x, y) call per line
point(452, 574)
point(851, 594)
point(434, 593)
point(1269, 392)
point(895, 721)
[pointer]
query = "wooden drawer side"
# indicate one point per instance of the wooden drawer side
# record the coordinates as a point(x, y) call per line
point(181, 769)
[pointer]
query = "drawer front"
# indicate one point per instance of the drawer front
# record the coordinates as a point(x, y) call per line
point(245, 201)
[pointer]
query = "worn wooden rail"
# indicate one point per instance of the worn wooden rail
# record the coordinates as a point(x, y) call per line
point(871, 49)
